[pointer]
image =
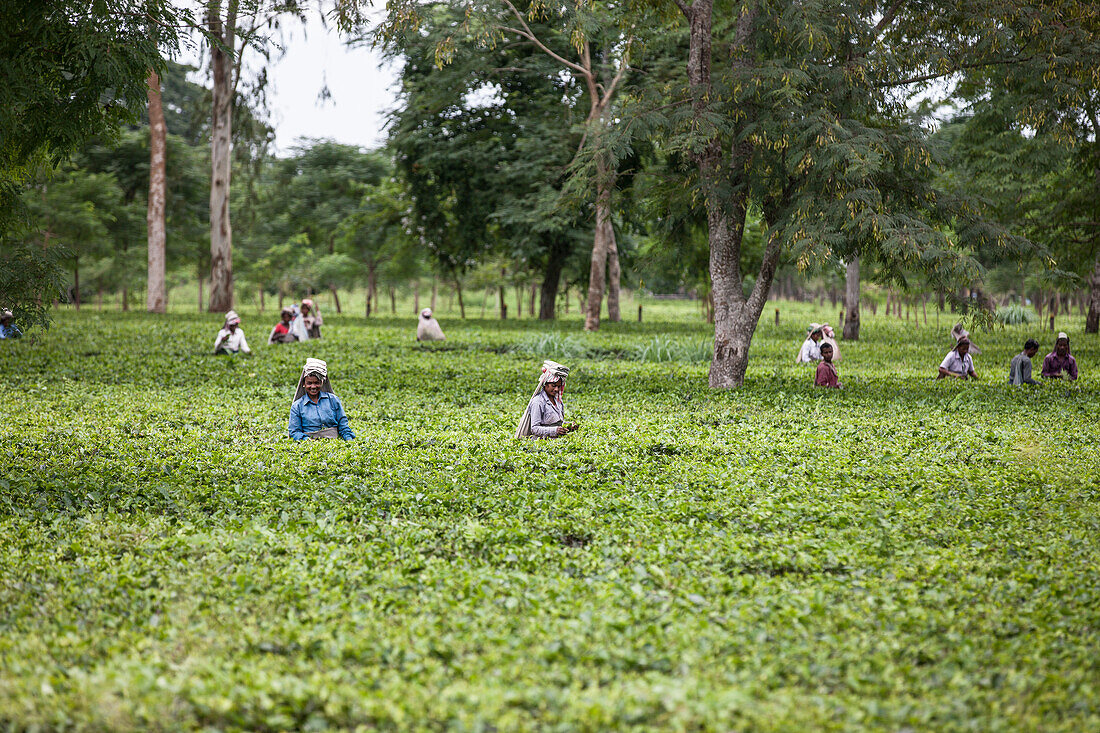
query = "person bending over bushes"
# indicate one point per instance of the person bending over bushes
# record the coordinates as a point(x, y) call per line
point(230, 339)
point(545, 413)
point(1060, 364)
point(1019, 369)
point(316, 411)
point(281, 333)
point(958, 362)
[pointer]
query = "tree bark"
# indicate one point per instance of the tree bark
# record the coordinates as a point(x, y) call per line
point(597, 272)
point(531, 300)
point(1092, 320)
point(613, 275)
point(157, 299)
point(416, 297)
point(851, 300)
point(500, 294)
point(393, 300)
point(76, 283)
point(551, 280)
point(221, 125)
point(335, 300)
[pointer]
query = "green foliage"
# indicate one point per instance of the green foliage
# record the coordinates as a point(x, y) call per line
point(901, 554)
point(1015, 315)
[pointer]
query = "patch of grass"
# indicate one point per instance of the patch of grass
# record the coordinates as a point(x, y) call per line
point(902, 554)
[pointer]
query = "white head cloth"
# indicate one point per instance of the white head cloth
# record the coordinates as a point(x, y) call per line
point(231, 317)
point(426, 313)
point(551, 370)
point(316, 367)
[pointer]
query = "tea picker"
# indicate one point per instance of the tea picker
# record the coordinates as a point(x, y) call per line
point(545, 413)
point(316, 411)
point(427, 328)
point(231, 339)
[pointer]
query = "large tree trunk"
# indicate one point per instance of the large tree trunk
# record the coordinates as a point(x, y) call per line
point(613, 275)
point(221, 125)
point(551, 279)
point(157, 299)
point(598, 270)
point(851, 300)
point(1092, 320)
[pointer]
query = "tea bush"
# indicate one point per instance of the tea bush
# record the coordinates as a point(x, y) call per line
point(904, 554)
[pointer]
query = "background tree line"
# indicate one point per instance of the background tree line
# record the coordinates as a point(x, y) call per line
point(730, 150)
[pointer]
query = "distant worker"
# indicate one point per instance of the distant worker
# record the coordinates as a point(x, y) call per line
point(826, 373)
point(427, 328)
point(810, 351)
point(958, 363)
point(545, 413)
point(1019, 369)
point(281, 334)
point(316, 411)
point(958, 332)
point(829, 337)
point(231, 339)
point(1060, 364)
point(307, 324)
point(8, 329)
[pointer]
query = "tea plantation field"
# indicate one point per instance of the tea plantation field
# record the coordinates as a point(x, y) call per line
point(905, 554)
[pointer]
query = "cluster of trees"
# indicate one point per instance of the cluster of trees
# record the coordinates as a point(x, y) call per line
point(709, 146)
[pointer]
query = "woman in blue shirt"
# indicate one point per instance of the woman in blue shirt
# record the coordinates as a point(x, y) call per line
point(316, 412)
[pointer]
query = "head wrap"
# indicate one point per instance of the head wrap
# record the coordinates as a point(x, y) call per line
point(286, 312)
point(231, 317)
point(828, 330)
point(317, 368)
point(960, 334)
point(426, 313)
point(308, 302)
point(1061, 335)
point(813, 328)
point(551, 372)
point(6, 314)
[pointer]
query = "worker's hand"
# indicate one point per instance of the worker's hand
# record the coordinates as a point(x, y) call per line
point(563, 431)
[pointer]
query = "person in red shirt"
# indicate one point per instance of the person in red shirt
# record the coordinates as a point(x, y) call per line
point(826, 372)
point(281, 333)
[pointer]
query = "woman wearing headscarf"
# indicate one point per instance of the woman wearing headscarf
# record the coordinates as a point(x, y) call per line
point(281, 334)
point(545, 413)
point(427, 328)
point(810, 351)
point(829, 337)
point(307, 324)
point(8, 329)
point(958, 363)
point(316, 411)
point(231, 339)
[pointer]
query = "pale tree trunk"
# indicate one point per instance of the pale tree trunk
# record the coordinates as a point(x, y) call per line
point(1092, 320)
point(598, 270)
point(157, 299)
point(851, 300)
point(613, 275)
point(393, 300)
point(416, 296)
point(221, 123)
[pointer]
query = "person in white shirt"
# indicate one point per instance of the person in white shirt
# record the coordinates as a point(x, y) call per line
point(810, 351)
point(958, 363)
point(231, 339)
point(427, 328)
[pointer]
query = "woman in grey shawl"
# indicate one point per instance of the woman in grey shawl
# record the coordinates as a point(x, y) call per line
point(545, 413)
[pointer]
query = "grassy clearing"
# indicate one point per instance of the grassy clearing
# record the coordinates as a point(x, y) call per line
point(904, 554)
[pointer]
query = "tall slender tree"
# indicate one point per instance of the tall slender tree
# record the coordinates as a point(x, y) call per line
point(156, 300)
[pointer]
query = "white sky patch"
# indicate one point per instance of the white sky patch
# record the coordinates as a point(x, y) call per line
point(360, 84)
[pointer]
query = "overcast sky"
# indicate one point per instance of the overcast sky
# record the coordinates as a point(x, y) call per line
point(361, 88)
